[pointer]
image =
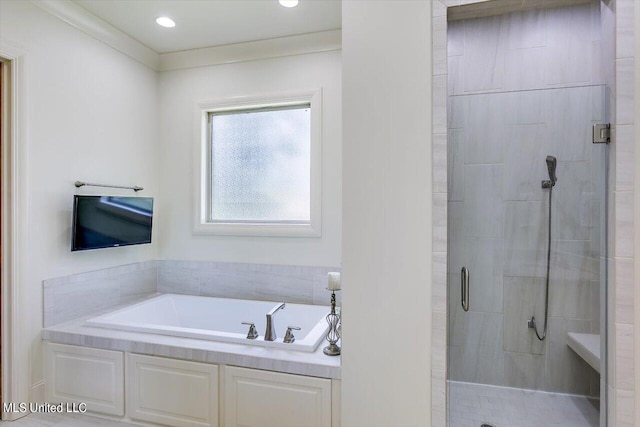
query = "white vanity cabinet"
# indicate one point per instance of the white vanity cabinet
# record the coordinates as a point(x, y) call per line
point(172, 392)
point(85, 375)
point(183, 393)
point(256, 398)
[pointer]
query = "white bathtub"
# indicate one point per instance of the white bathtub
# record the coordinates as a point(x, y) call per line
point(219, 319)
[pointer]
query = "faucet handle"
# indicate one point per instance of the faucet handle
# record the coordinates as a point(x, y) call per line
point(288, 337)
point(253, 333)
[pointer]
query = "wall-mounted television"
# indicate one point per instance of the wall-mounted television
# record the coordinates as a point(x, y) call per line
point(110, 221)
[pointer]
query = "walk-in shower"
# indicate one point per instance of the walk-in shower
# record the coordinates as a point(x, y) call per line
point(552, 163)
point(526, 219)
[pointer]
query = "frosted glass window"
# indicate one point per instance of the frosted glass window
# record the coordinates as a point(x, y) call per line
point(261, 165)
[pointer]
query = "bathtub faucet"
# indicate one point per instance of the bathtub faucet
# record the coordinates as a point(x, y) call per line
point(270, 333)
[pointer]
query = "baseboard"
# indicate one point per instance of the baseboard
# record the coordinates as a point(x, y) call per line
point(37, 392)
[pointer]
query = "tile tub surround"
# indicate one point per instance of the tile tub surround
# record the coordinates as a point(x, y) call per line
point(542, 101)
point(70, 297)
point(315, 364)
point(294, 284)
point(77, 295)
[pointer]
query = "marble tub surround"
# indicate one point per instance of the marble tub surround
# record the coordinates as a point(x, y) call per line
point(77, 295)
point(294, 284)
point(314, 364)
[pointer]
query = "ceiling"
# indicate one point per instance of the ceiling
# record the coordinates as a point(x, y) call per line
point(205, 23)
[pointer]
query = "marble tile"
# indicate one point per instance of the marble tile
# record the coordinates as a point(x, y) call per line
point(527, 29)
point(474, 404)
point(624, 291)
point(525, 239)
point(78, 299)
point(483, 134)
point(624, 357)
point(624, 28)
point(526, 69)
point(624, 408)
point(440, 155)
point(439, 281)
point(569, 120)
point(439, 113)
point(455, 77)
point(455, 221)
point(483, 204)
point(569, 56)
point(275, 287)
point(456, 317)
point(438, 8)
point(455, 163)
point(523, 298)
point(439, 45)
point(572, 196)
point(524, 370)
point(624, 159)
point(624, 224)
point(571, 272)
point(525, 108)
point(455, 38)
point(178, 279)
point(624, 91)
point(225, 285)
point(458, 108)
point(566, 372)
point(485, 260)
point(484, 53)
point(526, 148)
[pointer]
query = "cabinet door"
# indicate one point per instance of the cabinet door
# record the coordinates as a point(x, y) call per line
point(81, 374)
point(256, 398)
point(172, 392)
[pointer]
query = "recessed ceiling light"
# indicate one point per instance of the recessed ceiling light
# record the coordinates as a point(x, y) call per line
point(288, 3)
point(166, 22)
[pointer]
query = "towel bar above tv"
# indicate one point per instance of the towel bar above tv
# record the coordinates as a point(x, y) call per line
point(79, 184)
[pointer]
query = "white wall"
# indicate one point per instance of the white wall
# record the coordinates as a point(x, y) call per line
point(387, 214)
point(91, 114)
point(181, 92)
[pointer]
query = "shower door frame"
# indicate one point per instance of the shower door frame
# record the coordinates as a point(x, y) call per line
point(620, 402)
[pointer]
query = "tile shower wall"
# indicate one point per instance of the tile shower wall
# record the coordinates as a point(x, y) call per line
point(522, 86)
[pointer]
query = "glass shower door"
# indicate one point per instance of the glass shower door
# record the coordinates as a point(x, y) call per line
point(524, 259)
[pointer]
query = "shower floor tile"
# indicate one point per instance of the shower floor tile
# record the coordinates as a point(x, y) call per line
point(471, 405)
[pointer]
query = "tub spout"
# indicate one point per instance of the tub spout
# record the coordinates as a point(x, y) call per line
point(270, 333)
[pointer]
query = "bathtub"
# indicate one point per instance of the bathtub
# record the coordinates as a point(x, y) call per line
point(219, 319)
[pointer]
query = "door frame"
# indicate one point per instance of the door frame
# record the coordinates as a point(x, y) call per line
point(15, 347)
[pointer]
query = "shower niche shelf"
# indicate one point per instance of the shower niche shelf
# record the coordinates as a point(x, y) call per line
point(586, 346)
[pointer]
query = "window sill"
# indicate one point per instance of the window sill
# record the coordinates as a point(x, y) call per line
point(257, 229)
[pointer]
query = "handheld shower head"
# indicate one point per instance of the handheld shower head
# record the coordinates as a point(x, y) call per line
point(551, 166)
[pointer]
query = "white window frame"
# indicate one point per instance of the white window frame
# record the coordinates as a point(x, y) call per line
point(202, 172)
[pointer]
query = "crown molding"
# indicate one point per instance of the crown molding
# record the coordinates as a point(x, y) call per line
point(322, 41)
point(85, 21)
point(100, 30)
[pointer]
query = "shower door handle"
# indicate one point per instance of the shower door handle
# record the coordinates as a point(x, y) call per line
point(464, 288)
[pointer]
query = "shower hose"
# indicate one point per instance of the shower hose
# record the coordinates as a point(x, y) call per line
point(546, 295)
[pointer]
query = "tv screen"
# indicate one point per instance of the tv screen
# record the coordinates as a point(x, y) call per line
point(108, 221)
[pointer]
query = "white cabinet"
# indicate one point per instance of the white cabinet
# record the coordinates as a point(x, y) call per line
point(254, 398)
point(81, 374)
point(172, 392)
point(182, 393)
